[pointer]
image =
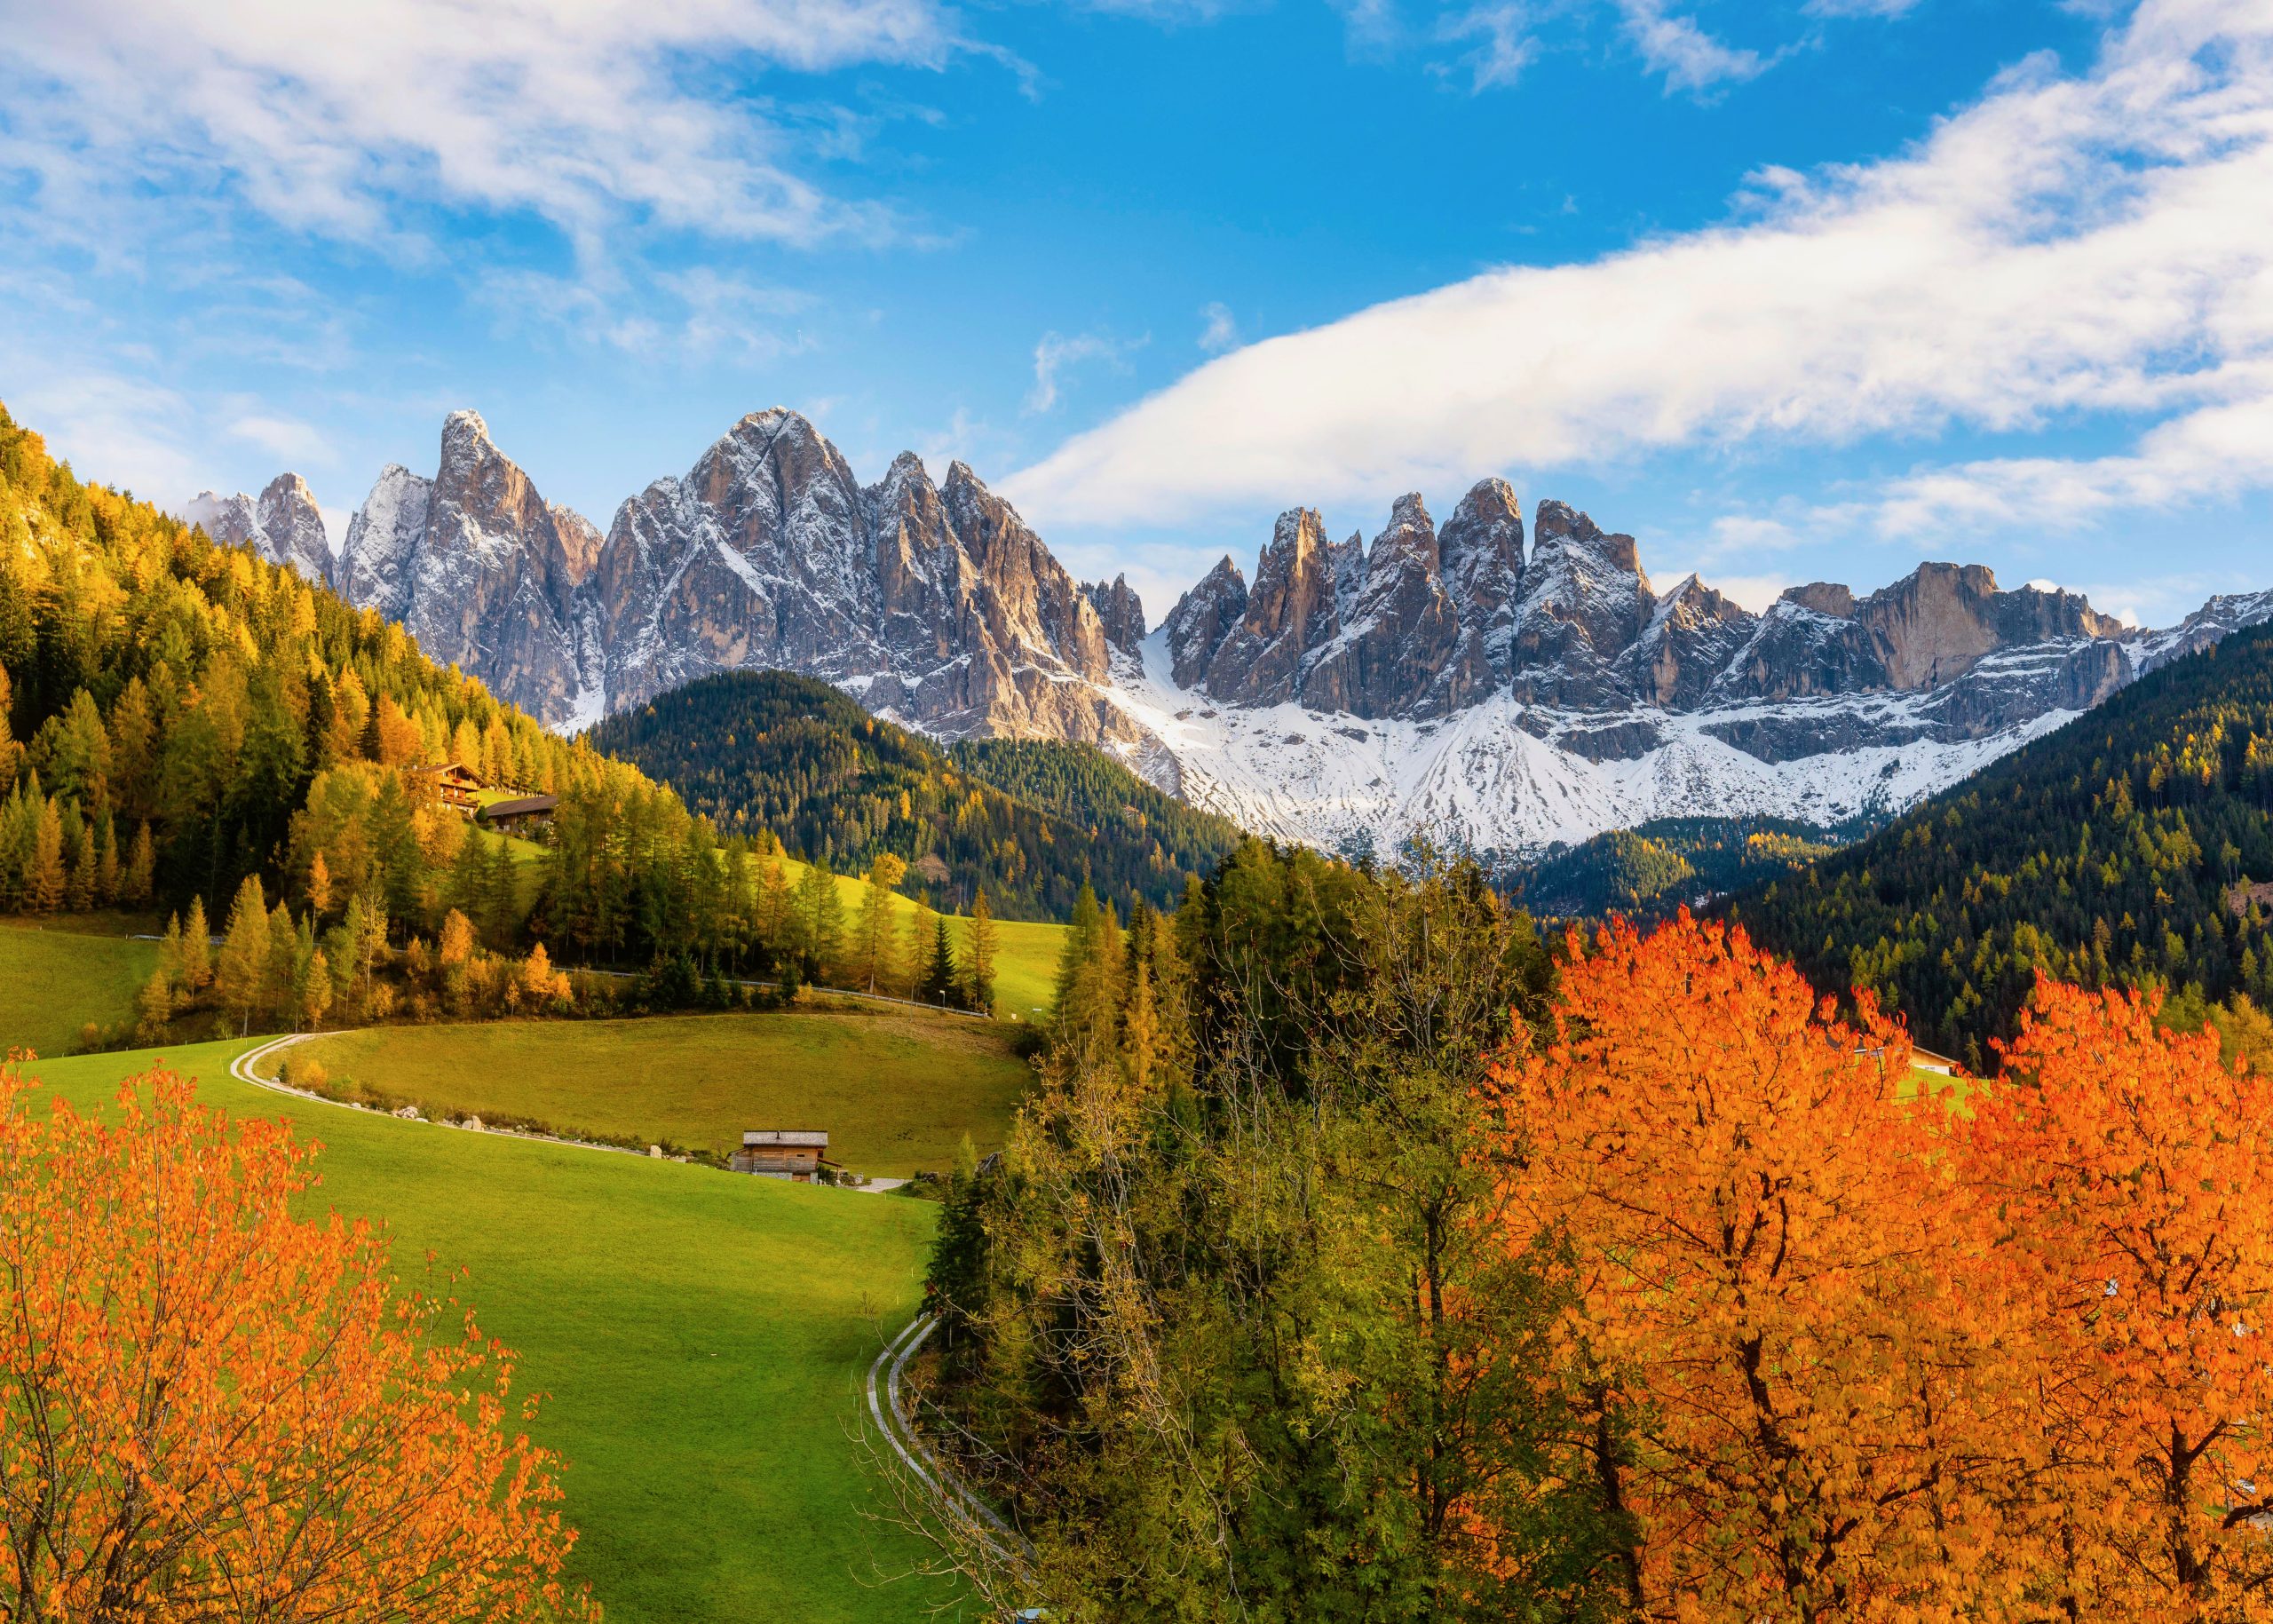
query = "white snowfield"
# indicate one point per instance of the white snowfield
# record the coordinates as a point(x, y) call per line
point(1481, 778)
point(1491, 779)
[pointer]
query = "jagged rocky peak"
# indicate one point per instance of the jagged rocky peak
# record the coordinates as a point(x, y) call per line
point(1823, 598)
point(1120, 611)
point(1585, 601)
point(1290, 610)
point(935, 604)
point(284, 524)
point(1395, 651)
point(480, 569)
point(1202, 618)
point(230, 520)
point(1936, 622)
point(1692, 635)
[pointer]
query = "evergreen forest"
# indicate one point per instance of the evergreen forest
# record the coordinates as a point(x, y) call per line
point(1030, 820)
point(2131, 848)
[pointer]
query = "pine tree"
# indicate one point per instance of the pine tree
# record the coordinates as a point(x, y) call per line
point(109, 874)
point(318, 885)
point(196, 950)
point(915, 961)
point(44, 885)
point(979, 946)
point(938, 983)
point(875, 957)
point(153, 1006)
point(241, 975)
point(135, 886)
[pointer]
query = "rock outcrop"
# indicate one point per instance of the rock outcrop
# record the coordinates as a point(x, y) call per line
point(284, 523)
point(480, 569)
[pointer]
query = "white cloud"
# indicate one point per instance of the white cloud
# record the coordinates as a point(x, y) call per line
point(1056, 352)
point(1690, 59)
point(1221, 332)
point(285, 438)
point(1506, 42)
point(327, 117)
point(2067, 248)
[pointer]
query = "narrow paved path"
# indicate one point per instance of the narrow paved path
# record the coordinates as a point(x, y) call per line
point(891, 1420)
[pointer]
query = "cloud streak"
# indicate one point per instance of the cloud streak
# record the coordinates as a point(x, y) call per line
point(2067, 248)
point(592, 114)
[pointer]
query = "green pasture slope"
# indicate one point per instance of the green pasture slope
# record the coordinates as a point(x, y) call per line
point(1026, 969)
point(54, 980)
point(701, 1338)
point(895, 1088)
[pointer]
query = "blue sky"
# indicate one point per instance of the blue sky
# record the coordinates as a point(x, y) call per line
point(1790, 290)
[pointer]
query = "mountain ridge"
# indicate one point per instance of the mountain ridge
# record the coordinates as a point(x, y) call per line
point(1490, 690)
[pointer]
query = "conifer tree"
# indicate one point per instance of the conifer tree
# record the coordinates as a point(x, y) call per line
point(134, 887)
point(318, 885)
point(44, 885)
point(875, 957)
point(241, 975)
point(196, 949)
point(980, 945)
point(153, 1006)
point(938, 983)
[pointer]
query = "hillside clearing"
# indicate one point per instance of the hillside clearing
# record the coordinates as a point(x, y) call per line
point(55, 980)
point(701, 1338)
point(896, 1090)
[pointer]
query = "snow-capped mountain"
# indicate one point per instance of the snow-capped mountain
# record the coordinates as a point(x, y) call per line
point(1452, 681)
point(481, 570)
point(1459, 686)
point(284, 524)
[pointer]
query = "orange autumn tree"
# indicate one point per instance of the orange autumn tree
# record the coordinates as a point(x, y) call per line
point(212, 1410)
point(1767, 1262)
point(2135, 1173)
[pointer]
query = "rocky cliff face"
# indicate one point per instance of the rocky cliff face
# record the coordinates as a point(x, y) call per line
point(937, 606)
point(1429, 624)
point(480, 569)
point(284, 524)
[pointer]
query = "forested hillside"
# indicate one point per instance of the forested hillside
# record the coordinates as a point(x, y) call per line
point(2120, 850)
point(181, 721)
point(1649, 871)
point(1032, 822)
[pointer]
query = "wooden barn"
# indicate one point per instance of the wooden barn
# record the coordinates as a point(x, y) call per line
point(521, 814)
point(453, 783)
point(794, 1153)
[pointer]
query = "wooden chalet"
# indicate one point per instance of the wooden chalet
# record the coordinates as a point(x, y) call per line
point(453, 783)
point(522, 812)
point(793, 1153)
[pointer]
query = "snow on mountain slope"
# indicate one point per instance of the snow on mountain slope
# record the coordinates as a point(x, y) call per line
point(1484, 778)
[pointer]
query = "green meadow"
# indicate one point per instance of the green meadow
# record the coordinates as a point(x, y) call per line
point(701, 1338)
point(896, 1088)
point(55, 980)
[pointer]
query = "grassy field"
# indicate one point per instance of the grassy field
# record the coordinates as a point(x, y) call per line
point(895, 1090)
point(700, 1335)
point(1026, 972)
point(54, 980)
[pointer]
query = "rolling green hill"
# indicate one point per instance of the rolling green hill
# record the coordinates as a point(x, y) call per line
point(702, 1338)
point(1031, 821)
point(2119, 851)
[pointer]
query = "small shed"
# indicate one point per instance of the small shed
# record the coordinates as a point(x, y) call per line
point(453, 783)
point(795, 1153)
point(521, 812)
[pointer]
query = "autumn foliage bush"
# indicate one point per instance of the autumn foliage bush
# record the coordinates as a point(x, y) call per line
point(1845, 1350)
point(211, 1409)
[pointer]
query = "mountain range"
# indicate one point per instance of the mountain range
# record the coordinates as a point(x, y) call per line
point(1464, 681)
